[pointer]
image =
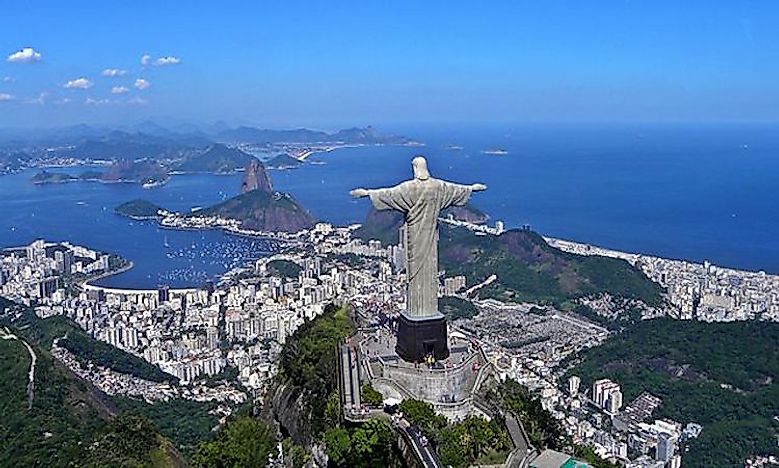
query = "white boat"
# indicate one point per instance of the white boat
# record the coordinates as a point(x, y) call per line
point(495, 151)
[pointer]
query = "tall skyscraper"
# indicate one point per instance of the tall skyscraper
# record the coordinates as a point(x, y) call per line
point(163, 294)
point(573, 385)
point(666, 446)
point(64, 260)
point(36, 251)
point(607, 395)
point(614, 401)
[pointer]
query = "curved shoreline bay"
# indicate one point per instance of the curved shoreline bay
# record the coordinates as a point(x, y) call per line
point(681, 193)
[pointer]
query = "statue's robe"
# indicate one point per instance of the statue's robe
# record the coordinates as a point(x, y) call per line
point(421, 201)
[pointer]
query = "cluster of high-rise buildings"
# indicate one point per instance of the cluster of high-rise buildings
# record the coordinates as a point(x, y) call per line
point(617, 432)
point(607, 395)
point(195, 334)
point(700, 291)
point(528, 343)
point(36, 272)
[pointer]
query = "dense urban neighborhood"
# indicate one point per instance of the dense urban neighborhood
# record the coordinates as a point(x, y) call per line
point(238, 326)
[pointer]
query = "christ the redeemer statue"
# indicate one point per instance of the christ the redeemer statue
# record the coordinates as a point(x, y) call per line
point(422, 328)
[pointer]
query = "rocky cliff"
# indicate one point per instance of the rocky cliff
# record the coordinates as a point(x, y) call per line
point(255, 178)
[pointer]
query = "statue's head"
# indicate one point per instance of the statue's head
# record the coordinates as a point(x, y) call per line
point(419, 164)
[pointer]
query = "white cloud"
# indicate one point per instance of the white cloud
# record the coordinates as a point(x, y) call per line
point(141, 83)
point(63, 101)
point(8, 79)
point(113, 72)
point(79, 83)
point(119, 89)
point(168, 60)
point(40, 100)
point(26, 55)
point(136, 101)
point(145, 59)
point(5, 97)
point(97, 102)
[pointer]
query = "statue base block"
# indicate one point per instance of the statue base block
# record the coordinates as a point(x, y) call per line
point(421, 337)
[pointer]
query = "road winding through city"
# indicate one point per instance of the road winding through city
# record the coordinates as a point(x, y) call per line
point(7, 335)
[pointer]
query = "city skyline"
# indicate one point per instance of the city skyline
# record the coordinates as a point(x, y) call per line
point(329, 65)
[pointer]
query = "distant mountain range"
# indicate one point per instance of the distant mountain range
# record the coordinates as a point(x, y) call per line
point(180, 148)
point(148, 139)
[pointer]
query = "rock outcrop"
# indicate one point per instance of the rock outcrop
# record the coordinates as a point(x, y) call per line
point(255, 178)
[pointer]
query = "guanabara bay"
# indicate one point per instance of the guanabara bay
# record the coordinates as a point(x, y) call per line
point(400, 234)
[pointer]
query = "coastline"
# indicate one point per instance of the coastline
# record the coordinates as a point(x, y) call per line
point(85, 285)
point(732, 262)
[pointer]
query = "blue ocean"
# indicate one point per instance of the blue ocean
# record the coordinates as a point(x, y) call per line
point(688, 192)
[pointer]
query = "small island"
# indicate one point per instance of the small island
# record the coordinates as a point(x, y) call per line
point(140, 209)
point(283, 161)
point(46, 177)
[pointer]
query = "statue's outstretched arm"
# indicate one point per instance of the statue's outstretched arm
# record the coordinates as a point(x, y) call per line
point(478, 187)
point(390, 198)
point(360, 192)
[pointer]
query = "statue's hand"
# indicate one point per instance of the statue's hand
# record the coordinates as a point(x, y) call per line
point(478, 187)
point(359, 193)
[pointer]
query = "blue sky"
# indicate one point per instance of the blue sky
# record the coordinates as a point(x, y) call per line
point(328, 64)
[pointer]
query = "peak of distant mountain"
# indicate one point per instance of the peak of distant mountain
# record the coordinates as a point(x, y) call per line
point(216, 158)
point(255, 178)
point(283, 161)
point(151, 128)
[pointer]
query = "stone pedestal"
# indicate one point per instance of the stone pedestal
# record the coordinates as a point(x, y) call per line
point(420, 337)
